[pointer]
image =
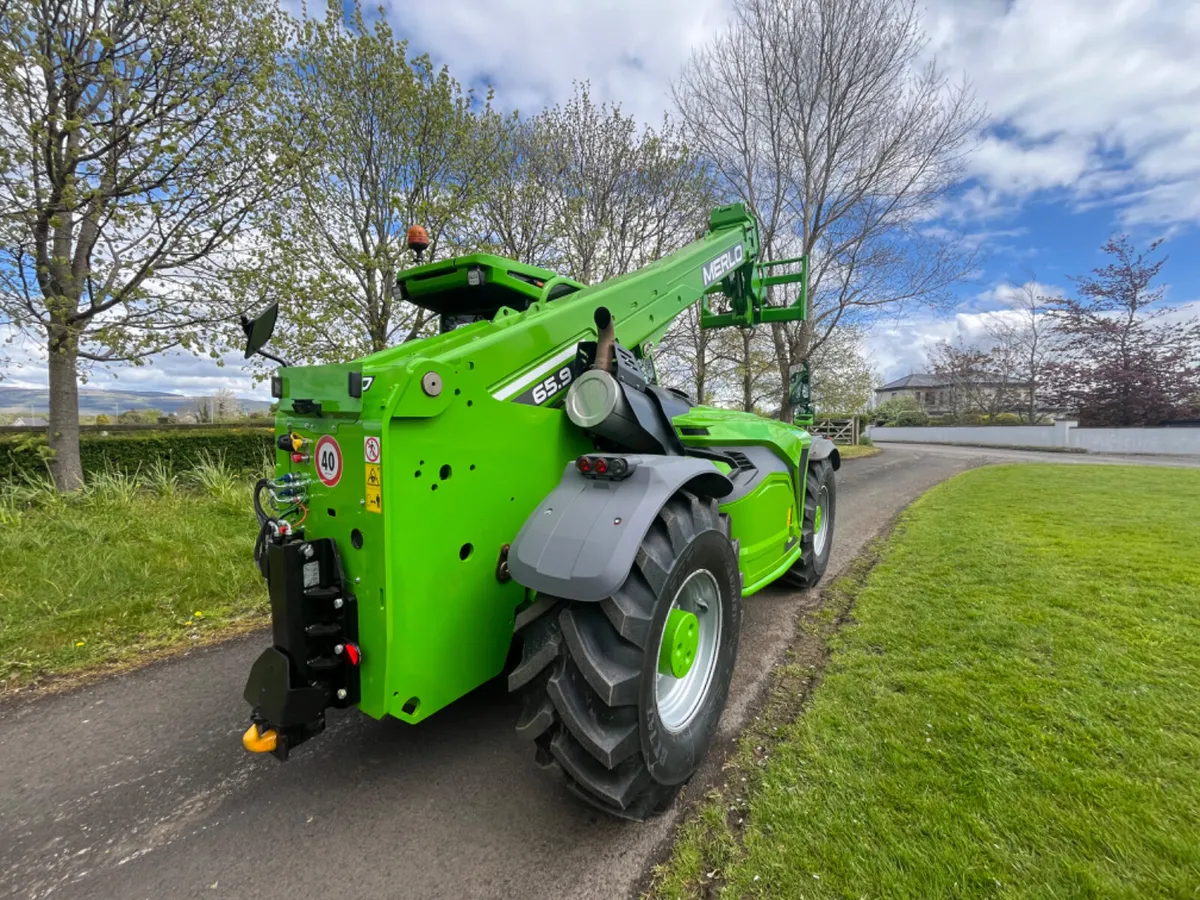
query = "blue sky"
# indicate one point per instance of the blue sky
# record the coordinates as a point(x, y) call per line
point(1095, 130)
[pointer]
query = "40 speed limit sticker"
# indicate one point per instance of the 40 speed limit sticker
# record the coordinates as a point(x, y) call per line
point(329, 460)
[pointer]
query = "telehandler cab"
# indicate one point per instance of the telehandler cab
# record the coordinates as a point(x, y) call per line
point(522, 477)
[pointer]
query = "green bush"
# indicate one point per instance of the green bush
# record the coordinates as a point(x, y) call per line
point(912, 418)
point(242, 449)
point(1006, 418)
point(890, 411)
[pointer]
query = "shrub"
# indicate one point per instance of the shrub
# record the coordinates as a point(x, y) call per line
point(912, 418)
point(242, 450)
point(890, 411)
point(1006, 418)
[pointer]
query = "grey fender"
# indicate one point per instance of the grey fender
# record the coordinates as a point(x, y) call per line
point(823, 448)
point(581, 540)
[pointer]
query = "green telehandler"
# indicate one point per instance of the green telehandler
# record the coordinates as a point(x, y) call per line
point(517, 494)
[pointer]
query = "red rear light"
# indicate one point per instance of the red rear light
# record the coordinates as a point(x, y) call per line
point(584, 465)
point(601, 465)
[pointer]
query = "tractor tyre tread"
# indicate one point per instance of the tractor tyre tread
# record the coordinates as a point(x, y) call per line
point(806, 572)
point(586, 660)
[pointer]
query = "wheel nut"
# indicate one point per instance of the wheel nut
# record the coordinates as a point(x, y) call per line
point(338, 603)
point(341, 694)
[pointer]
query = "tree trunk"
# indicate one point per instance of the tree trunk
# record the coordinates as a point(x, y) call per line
point(783, 362)
point(701, 366)
point(747, 374)
point(65, 465)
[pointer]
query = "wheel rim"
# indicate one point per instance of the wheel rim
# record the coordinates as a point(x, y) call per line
point(680, 699)
point(821, 521)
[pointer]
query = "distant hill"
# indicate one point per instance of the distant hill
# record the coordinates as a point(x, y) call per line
point(36, 401)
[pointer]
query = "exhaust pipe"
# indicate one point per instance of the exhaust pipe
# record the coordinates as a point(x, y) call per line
point(605, 336)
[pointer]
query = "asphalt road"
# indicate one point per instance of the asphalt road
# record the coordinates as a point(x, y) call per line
point(138, 787)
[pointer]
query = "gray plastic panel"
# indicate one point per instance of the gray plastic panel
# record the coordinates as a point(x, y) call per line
point(823, 448)
point(581, 540)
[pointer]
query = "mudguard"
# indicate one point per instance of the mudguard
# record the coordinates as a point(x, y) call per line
point(581, 540)
point(823, 448)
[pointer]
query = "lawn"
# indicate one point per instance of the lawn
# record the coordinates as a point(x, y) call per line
point(856, 451)
point(1012, 709)
point(123, 572)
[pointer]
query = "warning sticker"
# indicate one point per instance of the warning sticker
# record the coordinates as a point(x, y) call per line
point(374, 486)
point(329, 460)
point(371, 449)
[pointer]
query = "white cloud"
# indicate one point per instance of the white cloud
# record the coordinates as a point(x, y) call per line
point(531, 50)
point(174, 372)
point(1099, 100)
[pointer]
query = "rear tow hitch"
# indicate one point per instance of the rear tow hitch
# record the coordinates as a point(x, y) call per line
point(314, 660)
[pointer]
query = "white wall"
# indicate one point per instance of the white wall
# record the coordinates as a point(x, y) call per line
point(1063, 434)
point(1177, 441)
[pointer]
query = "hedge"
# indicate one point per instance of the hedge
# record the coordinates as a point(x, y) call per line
point(242, 448)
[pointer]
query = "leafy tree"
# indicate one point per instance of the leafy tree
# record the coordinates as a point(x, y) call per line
point(904, 410)
point(391, 141)
point(1121, 363)
point(131, 153)
point(843, 378)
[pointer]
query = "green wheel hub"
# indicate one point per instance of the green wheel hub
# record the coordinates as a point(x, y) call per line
point(681, 637)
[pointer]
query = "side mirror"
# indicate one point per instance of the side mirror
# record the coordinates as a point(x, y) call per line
point(259, 329)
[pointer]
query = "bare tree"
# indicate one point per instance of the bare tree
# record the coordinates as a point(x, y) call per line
point(684, 358)
point(822, 117)
point(131, 153)
point(588, 191)
point(981, 381)
point(1025, 332)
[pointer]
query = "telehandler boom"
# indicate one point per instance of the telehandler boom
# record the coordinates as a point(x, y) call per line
point(518, 494)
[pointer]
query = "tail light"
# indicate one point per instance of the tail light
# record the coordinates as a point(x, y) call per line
point(610, 468)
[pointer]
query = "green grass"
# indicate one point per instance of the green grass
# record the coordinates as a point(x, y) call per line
point(856, 451)
point(125, 571)
point(1012, 711)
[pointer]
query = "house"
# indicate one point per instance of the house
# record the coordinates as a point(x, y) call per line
point(32, 422)
point(971, 393)
point(933, 392)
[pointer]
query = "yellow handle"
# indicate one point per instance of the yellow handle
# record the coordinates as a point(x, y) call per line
point(259, 743)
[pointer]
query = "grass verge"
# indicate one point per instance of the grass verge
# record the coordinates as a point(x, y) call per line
point(1011, 712)
point(857, 451)
point(123, 572)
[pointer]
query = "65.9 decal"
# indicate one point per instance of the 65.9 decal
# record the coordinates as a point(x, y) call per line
point(329, 460)
point(548, 387)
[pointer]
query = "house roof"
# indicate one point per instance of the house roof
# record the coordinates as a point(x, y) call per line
point(916, 380)
point(32, 421)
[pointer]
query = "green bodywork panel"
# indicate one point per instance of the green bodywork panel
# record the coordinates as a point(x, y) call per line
point(462, 464)
point(765, 521)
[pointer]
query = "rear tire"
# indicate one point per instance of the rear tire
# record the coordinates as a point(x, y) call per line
point(816, 538)
point(626, 737)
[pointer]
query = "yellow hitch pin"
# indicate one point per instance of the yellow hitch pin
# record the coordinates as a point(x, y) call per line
point(259, 743)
